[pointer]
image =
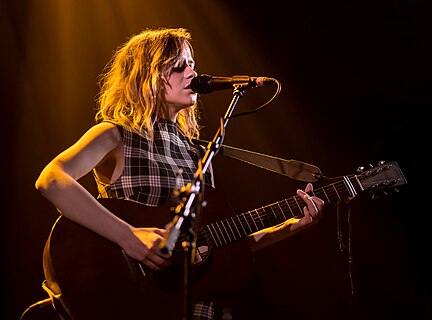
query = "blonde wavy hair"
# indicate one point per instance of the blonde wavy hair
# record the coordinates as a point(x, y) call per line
point(133, 82)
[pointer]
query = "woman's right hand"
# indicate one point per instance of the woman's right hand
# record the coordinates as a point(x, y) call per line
point(146, 250)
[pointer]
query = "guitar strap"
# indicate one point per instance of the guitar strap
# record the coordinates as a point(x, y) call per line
point(293, 169)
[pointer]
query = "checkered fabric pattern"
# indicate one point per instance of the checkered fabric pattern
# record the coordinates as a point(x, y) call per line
point(151, 169)
point(151, 172)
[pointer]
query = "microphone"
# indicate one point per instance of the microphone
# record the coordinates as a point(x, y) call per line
point(207, 84)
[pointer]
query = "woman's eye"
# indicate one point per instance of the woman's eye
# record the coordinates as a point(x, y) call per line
point(179, 68)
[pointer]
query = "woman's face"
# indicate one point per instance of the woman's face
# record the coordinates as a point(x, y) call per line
point(178, 94)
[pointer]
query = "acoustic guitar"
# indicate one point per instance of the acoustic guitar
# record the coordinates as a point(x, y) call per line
point(99, 281)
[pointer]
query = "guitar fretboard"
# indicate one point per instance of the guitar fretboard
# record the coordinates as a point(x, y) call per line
point(240, 226)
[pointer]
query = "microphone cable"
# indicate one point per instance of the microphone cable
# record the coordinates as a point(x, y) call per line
point(244, 113)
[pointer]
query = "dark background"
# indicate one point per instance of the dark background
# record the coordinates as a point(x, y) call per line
point(354, 92)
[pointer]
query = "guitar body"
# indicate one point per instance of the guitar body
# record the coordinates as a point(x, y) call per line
point(98, 281)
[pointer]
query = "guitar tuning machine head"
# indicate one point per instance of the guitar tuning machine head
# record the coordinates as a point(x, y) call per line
point(362, 168)
point(381, 162)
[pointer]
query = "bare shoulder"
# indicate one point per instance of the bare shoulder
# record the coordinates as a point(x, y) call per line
point(105, 128)
point(99, 143)
point(105, 133)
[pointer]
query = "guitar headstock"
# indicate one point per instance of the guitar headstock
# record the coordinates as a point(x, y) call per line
point(381, 178)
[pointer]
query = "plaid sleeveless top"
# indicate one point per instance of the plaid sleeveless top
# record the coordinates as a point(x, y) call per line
point(153, 168)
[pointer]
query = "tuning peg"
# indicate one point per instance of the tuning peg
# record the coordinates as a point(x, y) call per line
point(381, 162)
point(360, 169)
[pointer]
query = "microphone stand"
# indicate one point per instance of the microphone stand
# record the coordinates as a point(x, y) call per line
point(192, 196)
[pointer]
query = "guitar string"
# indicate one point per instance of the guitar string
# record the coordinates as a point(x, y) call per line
point(333, 189)
point(251, 216)
point(336, 188)
point(255, 216)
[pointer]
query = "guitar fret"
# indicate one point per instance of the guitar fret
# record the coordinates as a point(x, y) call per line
point(235, 225)
point(231, 230)
point(217, 245)
point(325, 193)
point(272, 214)
point(259, 216)
point(280, 208)
point(253, 219)
point(289, 207)
point(266, 218)
point(220, 232)
point(275, 215)
point(247, 222)
point(283, 213)
point(226, 231)
point(211, 233)
point(336, 190)
point(298, 205)
point(244, 230)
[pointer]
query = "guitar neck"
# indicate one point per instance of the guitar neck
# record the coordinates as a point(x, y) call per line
point(240, 226)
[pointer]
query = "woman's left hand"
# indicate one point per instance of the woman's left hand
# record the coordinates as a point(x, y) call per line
point(314, 206)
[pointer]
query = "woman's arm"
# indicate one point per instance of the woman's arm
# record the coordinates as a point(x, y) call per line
point(312, 212)
point(58, 182)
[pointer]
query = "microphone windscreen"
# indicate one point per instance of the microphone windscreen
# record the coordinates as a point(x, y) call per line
point(201, 84)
